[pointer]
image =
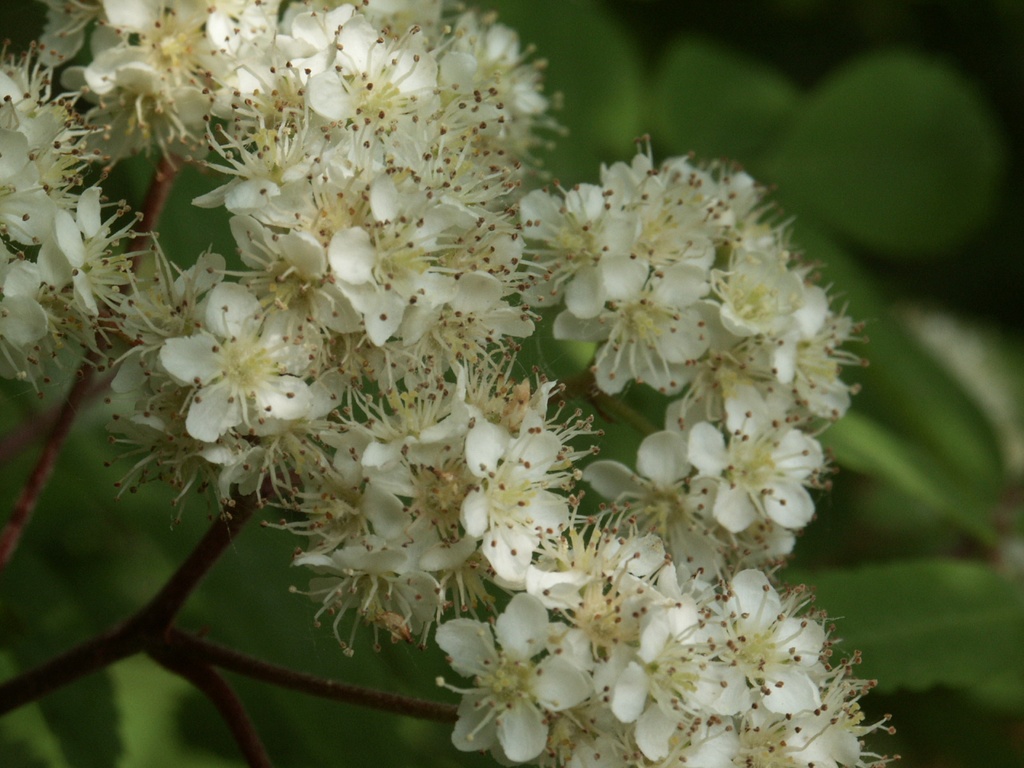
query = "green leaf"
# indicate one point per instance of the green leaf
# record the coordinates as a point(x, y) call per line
point(82, 716)
point(904, 387)
point(868, 447)
point(597, 75)
point(925, 624)
point(718, 103)
point(17, 754)
point(85, 721)
point(897, 152)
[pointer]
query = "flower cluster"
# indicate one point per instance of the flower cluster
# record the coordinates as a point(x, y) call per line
point(60, 269)
point(677, 276)
point(354, 364)
point(644, 668)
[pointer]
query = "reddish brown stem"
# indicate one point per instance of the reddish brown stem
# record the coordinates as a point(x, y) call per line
point(153, 206)
point(37, 424)
point(223, 697)
point(257, 669)
point(146, 629)
point(151, 630)
point(37, 479)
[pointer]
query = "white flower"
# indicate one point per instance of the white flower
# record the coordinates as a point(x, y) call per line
point(652, 325)
point(242, 371)
point(513, 693)
point(512, 509)
point(664, 499)
point(760, 294)
point(769, 648)
point(763, 469)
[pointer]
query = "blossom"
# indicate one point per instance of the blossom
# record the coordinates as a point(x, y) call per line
point(763, 469)
point(512, 508)
point(513, 692)
point(767, 646)
point(242, 370)
point(665, 499)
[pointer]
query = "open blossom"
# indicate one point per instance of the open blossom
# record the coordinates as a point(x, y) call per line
point(156, 67)
point(666, 499)
point(764, 468)
point(514, 692)
point(513, 508)
point(355, 366)
point(242, 370)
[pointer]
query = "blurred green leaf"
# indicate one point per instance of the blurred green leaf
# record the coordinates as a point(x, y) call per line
point(925, 623)
point(866, 446)
point(16, 754)
point(591, 62)
point(718, 103)
point(897, 152)
point(81, 715)
point(904, 387)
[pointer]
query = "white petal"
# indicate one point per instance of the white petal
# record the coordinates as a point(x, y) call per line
point(284, 397)
point(623, 277)
point(662, 458)
point(789, 504)
point(630, 694)
point(584, 296)
point(231, 311)
point(384, 199)
point(612, 479)
point(569, 327)
point(733, 508)
point(753, 595)
point(790, 691)
point(653, 732)
point(522, 733)
point(212, 413)
point(476, 513)
point(485, 445)
point(523, 627)
point(473, 731)
point(706, 449)
point(560, 685)
point(191, 360)
point(89, 219)
point(22, 320)
point(327, 96)
point(352, 255)
point(469, 644)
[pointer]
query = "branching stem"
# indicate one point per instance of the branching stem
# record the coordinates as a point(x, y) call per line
point(40, 475)
point(152, 631)
point(584, 387)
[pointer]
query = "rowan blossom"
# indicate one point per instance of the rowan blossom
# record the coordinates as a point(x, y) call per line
point(243, 371)
point(513, 693)
point(356, 365)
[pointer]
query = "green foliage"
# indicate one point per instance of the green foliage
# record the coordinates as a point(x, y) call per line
point(865, 446)
point(899, 170)
point(719, 103)
point(896, 152)
point(922, 624)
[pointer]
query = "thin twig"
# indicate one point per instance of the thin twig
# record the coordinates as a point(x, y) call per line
point(147, 628)
point(584, 387)
point(152, 207)
point(193, 658)
point(88, 657)
point(37, 479)
point(257, 669)
point(220, 693)
point(37, 424)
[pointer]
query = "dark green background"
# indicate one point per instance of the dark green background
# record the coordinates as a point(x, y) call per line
point(893, 133)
